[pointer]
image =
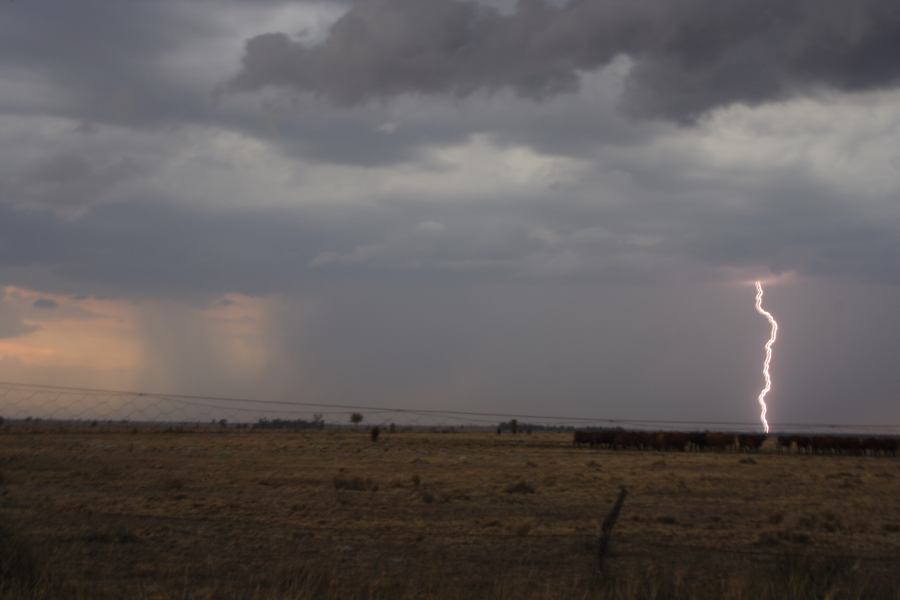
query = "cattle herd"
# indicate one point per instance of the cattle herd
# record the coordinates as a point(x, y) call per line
point(748, 442)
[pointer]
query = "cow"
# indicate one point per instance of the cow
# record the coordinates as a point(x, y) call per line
point(603, 439)
point(697, 441)
point(849, 445)
point(804, 443)
point(751, 442)
point(581, 437)
point(888, 446)
point(785, 442)
point(672, 440)
point(594, 438)
point(719, 441)
point(880, 446)
point(824, 444)
point(624, 440)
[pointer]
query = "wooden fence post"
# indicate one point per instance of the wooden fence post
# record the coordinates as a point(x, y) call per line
point(607, 527)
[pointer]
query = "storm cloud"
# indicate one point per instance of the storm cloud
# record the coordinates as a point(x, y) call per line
point(522, 206)
point(690, 56)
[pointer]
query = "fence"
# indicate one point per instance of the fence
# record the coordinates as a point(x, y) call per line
point(63, 405)
point(169, 495)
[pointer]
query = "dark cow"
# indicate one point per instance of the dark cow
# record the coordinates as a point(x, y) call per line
point(849, 445)
point(672, 440)
point(594, 438)
point(751, 442)
point(822, 444)
point(627, 440)
point(719, 441)
point(697, 441)
point(804, 443)
point(604, 439)
point(785, 442)
point(887, 446)
point(581, 437)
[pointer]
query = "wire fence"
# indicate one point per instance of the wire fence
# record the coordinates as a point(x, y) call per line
point(249, 500)
point(68, 405)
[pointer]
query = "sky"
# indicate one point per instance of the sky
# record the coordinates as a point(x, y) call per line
point(543, 206)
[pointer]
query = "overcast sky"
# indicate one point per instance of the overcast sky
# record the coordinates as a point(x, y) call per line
point(545, 206)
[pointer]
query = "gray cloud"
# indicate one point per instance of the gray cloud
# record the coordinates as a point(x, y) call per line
point(506, 235)
point(69, 181)
point(45, 304)
point(680, 351)
point(644, 230)
point(11, 324)
point(690, 55)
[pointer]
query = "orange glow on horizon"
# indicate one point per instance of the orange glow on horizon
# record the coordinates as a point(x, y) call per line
point(111, 335)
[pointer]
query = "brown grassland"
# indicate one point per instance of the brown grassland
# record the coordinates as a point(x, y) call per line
point(330, 514)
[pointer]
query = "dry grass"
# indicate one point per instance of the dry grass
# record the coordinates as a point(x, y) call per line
point(331, 515)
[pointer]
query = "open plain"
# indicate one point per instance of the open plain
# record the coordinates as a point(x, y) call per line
point(318, 514)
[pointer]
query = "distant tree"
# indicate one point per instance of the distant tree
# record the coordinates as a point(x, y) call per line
point(375, 433)
point(223, 423)
point(514, 425)
point(318, 420)
point(499, 429)
point(356, 418)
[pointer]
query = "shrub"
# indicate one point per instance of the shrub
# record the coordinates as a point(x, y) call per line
point(174, 484)
point(668, 520)
point(356, 484)
point(520, 488)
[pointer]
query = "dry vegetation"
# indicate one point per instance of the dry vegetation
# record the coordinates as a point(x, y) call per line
point(328, 514)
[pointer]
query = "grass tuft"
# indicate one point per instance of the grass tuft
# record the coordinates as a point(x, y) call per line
point(521, 487)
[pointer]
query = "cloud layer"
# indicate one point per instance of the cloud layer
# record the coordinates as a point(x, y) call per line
point(690, 56)
point(447, 202)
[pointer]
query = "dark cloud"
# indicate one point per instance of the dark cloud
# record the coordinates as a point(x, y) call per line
point(689, 55)
point(655, 229)
point(102, 60)
point(45, 304)
point(68, 180)
point(148, 64)
point(507, 235)
point(680, 351)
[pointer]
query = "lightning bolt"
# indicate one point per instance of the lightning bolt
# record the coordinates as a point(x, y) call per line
point(768, 360)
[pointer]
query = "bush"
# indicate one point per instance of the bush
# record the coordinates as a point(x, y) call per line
point(356, 484)
point(520, 488)
point(22, 575)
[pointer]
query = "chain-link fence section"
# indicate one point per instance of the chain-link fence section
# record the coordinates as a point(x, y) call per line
point(121, 494)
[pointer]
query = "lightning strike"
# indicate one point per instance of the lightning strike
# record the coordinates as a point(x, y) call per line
point(762, 395)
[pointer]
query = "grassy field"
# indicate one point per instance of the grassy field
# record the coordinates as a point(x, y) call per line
point(330, 514)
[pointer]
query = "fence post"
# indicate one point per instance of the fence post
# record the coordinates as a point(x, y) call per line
point(607, 527)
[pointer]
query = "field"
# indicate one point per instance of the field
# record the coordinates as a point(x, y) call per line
point(319, 514)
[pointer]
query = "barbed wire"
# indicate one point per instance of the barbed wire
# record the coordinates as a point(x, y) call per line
point(48, 401)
